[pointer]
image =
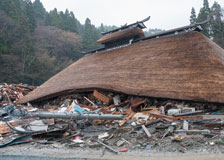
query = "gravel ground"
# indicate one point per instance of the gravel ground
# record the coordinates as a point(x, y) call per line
point(57, 150)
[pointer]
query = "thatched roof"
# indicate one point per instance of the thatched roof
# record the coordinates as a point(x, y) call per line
point(133, 31)
point(186, 66)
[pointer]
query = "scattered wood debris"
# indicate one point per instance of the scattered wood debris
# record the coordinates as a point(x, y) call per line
point(121, 124)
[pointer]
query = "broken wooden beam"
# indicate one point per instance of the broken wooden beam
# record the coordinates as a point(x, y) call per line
point(101, 97)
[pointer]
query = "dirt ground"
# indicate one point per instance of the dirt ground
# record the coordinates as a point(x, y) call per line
point(61, 151)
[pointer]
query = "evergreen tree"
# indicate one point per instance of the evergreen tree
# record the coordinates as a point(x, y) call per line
point(206, 6)
point(87, 38)
point(54, 17)
point(204, 15)
point(22, 62)
point(193, 18)
point(39, 9)
point(80, 28)
point(47, 20)
point(12, 8)
point(63, 20)
point(30, 15)
point(90, 36)
point(73, 23)
point(13, 11)
point(67, 21)
point(102, 29)
point(4, 4)
point(217, 24)
point(215, 28)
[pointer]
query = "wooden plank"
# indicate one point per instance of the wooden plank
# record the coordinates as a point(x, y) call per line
point(175, 118)
point(5, 129)
point(101, 97)
point(126, 119)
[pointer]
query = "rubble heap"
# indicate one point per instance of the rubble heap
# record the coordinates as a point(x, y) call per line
point(10, 93)
point(129, 123)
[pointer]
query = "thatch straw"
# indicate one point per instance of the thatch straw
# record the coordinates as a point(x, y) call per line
point(133, 31)
point(186, 66)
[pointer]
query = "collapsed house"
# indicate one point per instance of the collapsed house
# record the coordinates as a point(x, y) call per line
point(187, 66)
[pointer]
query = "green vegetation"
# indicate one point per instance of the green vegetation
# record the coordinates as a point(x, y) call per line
point(214, 29)
point(35, 44)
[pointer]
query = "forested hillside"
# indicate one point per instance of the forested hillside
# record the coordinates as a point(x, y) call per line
point(36, 44)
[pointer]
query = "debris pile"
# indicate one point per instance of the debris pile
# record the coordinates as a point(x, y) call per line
point(113, 121)
point(10, 93)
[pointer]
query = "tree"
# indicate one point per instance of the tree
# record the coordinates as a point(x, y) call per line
point(10, 35)
point(102, 29)
point(54, 17)
point(204, 15)
point(39, 9)
point(63, 20)
point(30, 15)
point(4, 4)
point(87, 38)
point(73, 23)
point(193, 18)
point(12, 8)
point(31, 54)
point(90, 36)
point(217, 24)
point(47, 20)
point(215, 28)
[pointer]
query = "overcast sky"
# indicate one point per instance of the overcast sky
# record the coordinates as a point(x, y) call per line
point(165, 14)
